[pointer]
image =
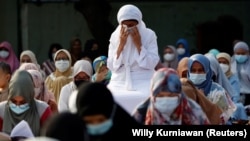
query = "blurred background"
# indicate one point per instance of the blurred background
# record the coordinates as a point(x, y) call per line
point(35, 24)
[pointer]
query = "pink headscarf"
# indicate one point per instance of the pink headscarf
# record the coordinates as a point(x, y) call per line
point(38, 81)
point(12, 59)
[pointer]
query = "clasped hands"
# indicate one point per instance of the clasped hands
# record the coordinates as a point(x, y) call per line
point(135, 35)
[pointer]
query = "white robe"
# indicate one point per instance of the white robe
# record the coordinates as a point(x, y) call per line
point(66, 91)
point(132, 72)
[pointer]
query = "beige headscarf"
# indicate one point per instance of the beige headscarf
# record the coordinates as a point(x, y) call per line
point(182, 66)
point(228, 58)
point(31, 55)
point(56, 80)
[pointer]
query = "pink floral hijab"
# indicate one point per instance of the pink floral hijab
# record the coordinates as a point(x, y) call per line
point(12, 59)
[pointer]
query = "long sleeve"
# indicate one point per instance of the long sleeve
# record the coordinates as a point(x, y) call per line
point(64, 98)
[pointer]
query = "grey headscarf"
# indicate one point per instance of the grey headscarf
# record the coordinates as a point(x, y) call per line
point(174, 63)
point(221, 78)
point(21, 84)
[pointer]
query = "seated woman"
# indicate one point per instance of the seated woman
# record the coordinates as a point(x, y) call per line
point(41, 91)
point(213, 112)
point(102, 73)
point(105, 120)
point(21, 105)
point(200, 73)
point(167, 104)
point(223, 63)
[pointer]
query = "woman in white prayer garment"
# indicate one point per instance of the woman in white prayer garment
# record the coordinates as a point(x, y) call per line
point(132, 57)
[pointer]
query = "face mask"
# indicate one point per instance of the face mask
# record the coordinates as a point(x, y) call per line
point(166, 105)
point(241, 58)
point(37, 91)
point(4, 54)
point(180, 51)
point(79, 82)
point(128, 29)
point(19, 109)
point(168, 57)
point(102, 128)
point(99, 129)
point(197, 79)
point(224, 67)
point(108, 75)
point(62, 65)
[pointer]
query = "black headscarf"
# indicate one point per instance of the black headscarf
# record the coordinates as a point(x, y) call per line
point(94, 98)
point(66, 127)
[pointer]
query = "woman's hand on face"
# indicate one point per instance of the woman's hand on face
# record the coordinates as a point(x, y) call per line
point(100, 76)
point(123, 36)
point(136, 38)
point(123, 40)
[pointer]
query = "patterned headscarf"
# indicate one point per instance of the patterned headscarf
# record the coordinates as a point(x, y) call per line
point(167, 80)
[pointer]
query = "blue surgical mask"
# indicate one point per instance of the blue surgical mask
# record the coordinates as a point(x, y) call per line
point(19, 109)
point(197, 79)
point(102, 128)
point(241, 58)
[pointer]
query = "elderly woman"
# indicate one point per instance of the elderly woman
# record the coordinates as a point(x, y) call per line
point(167, 104)
point(62, 75)
point(200, 73)
point(21, 105)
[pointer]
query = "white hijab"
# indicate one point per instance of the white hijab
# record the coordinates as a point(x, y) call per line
point(130, 53)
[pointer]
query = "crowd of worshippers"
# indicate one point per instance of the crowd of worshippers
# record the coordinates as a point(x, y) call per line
point(74, 94)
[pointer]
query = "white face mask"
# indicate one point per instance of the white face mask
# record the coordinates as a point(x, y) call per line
point(180, 51)
point(37, 91)
point(128, 29)
point(4, 54)
point(166, 105)
point(168, 57)
point(224, 67)
point(197, 79)
point(62, 65)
